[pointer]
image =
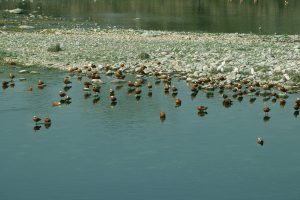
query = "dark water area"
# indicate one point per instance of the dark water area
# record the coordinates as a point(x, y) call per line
point(222, 16)
point(98, 151)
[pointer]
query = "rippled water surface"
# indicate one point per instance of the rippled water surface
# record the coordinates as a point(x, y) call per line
point(256, 16)
point(95, 151)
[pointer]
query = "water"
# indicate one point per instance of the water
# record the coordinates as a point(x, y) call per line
point(244, 16)
point(95, 151)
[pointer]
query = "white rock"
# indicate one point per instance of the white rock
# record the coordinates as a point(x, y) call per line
point(97, 81)
point(26, 27)
point(23, 71)
point(16, 11)
point(118, 81)
point(189, 79)
point(109, 72)
point(286, 76)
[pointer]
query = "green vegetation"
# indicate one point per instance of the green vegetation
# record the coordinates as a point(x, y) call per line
point(295, 76)
point(55, 48)
point(144, 56)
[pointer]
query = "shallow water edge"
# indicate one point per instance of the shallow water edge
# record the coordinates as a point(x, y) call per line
point(193, 55)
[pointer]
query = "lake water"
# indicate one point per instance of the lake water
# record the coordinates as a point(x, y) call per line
point(256, 16)
point(96, 151)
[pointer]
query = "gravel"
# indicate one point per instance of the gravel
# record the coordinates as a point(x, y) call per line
point(273, 58)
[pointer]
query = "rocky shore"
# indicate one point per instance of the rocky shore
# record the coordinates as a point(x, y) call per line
point(266, 58)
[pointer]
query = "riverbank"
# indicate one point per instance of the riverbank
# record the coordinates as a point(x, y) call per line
point(272, 58)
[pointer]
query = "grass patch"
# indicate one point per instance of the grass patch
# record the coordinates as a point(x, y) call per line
point(144, 56)
point(295, 76)
point(55, 48)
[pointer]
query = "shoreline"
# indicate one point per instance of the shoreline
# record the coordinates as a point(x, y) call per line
point(264, 58)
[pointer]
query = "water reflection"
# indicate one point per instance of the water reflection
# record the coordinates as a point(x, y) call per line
point(258, 16)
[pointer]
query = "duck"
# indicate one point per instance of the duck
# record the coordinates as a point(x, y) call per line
point(283, 89)
point(61, 94)
point(227, 101)
point(245, 81)
point(201, 108)
point(56, 103)
point(67, 81)
point(41, 84)
point(174, 89)
point(96, 89)
point(260, 141)
point(36, 119)
point(29, 88)
point(282, 102)
point(87, 84)
point(111, 92)
point(5, 83)
point(67, 98)
point(162, 115)
point(113, 98)
point(119, 74)
point(297, 107)
point(251, 89)
point(166, 87)
point(37, 127)
point(130, 84)
point(149, 86)
point(266, 109)
point(47, 120)
point(11, 76)
point(138, 91)
point(177, 102)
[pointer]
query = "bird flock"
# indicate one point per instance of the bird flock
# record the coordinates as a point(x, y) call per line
point(235, 90)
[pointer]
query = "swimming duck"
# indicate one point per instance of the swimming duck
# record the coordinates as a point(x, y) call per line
point(111, 92)
point(177, 102)
point(260, 141)
point(201, 108)
point(113, 98)
point(138, 91)
point(67, 81)
point(96, 89)
point(29, 88)
point(149, 86)
point(5, 83)
point(162, 115)
point(41, 84)
point(61, 94)
point(87, 84)
point(297, 101)
point(266, 109)
point(282, 102)
point(11, 76)
point(130, 84)
point(56, 103)
point(47, 120)
point(36, 119)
